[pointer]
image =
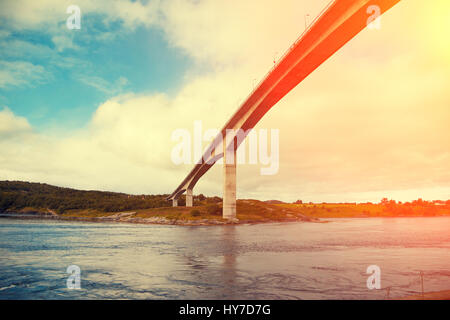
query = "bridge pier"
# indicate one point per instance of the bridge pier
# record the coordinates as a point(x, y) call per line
point(174, 202)
point(229, 184)
point(341, 21)
point(189, 198)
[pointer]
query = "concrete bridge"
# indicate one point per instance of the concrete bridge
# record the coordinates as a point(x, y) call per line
point(339, 22)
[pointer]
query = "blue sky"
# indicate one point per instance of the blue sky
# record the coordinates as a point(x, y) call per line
point(77, 78)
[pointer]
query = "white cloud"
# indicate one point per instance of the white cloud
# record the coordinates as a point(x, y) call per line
point(224, 32)
point(19, 49)
point(19, 73)
point(12, 124)
point(63, 42)
point(103, 85)
point(23, 14)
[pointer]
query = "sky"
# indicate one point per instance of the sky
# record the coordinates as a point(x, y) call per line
point(95, 108)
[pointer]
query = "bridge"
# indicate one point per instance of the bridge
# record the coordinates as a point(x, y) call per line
point(338, 23)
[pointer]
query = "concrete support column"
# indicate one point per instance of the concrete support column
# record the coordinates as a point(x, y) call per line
point(189, 198)
point(229, 184)
point(175, 202)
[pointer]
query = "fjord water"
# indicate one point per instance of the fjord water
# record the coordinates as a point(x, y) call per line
point(264, 261)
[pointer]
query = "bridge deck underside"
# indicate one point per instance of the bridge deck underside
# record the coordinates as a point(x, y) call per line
point(342, 20)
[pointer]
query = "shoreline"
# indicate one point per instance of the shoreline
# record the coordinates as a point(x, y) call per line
point(128, 217)
point(248, 212)
point(433, 295)
point(153, 220)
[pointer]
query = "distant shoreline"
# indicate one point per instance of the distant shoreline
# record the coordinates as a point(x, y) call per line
point(116, 218)
point(127, 217)
point(44, 201)
point(434, 295)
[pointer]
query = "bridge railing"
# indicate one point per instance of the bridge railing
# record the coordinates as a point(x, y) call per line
point(289, 50)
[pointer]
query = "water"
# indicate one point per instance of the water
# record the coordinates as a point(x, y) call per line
point(266, 261)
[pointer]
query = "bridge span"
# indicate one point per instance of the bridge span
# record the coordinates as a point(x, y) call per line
point(339, 22)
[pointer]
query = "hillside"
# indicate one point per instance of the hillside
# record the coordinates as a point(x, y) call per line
point(38, 200)
point(25, 196)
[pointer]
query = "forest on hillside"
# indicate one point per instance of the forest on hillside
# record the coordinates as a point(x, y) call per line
point(16, 195)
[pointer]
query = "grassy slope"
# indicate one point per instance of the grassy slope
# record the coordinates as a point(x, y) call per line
point(338, 210)
point(247, 210)
point(258, 211)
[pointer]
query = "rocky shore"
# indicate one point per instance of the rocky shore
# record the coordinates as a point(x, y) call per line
point(130, 217)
